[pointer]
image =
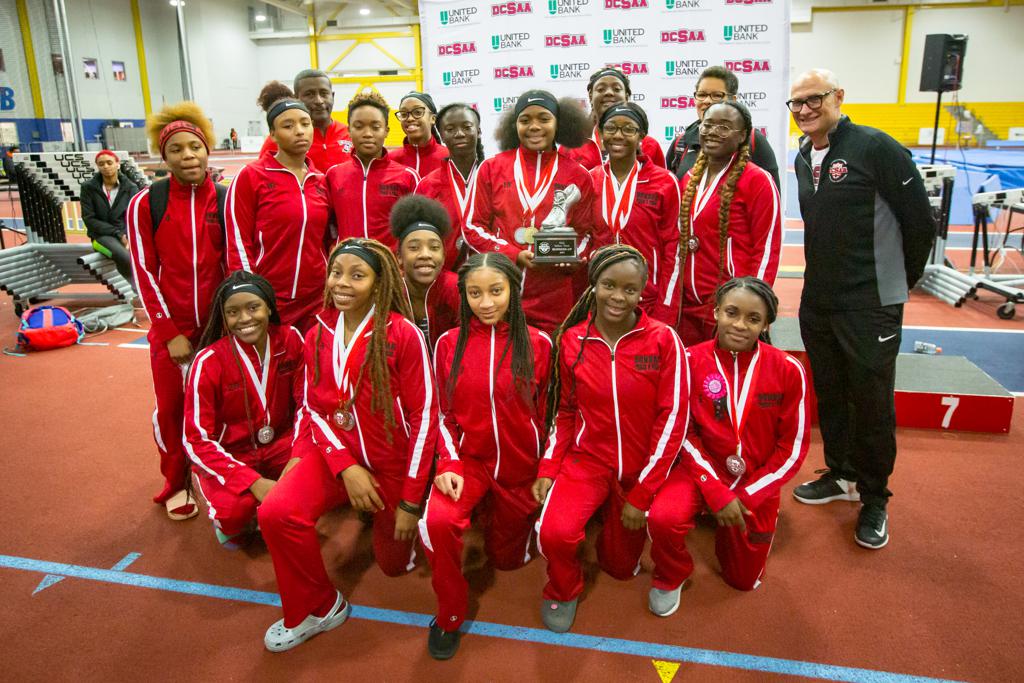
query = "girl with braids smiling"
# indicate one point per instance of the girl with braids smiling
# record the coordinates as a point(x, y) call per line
point(639, 205)
point(278, 215)
point(489, 443)
point(618, 411)
point(515, 191)
point(363, 191)
point(455, 182)
point(750, 428)
point(370, 428)
point(243, 393)
point(730, 220)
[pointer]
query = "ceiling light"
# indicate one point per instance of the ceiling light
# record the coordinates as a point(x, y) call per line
point(364, 10)
point(177, 3)
point(260, 17)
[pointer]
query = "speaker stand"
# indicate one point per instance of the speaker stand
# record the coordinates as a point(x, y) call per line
point(935, 129)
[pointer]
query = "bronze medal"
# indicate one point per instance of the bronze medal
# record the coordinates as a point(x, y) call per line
point(265, 435)
point(735, 465)
point(344, 419)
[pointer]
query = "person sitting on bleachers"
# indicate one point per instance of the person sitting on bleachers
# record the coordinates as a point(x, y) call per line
point(105, 199)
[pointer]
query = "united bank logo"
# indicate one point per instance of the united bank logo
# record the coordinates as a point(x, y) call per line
point(567, 8)
point(672, 131)
point(685, 68)
point(511, 9)
point(456, 49)
point(683, 35)
point(630, 68)
point(754, 99)
point(677, 5)
point(454, 79)
point(504, 104)
point(566, 40)
point(748, 66)
point(510, 41)
point(619, 37)
point(458, 17)
point(678, 102)
point(513, 72)
point(576, 71)
point(744, 33)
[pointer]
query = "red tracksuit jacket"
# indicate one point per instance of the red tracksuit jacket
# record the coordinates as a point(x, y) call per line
point(775, 429)
point(325, 150)
point(362, 197)
point(589, 155)
point(178, 266)
point(629, 407)
point(218, 436)
point(755, 235)
point(424, 159)
point(410, 452)
point(443, 304)
point(496, 215)
point(486, 418)
point(438, 186)
point(653, 228)
point(278, 228)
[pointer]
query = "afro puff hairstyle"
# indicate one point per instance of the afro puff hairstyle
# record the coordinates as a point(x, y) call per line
point(273, 92)
point(183, 111)
point(415, 207)
point(573, 126)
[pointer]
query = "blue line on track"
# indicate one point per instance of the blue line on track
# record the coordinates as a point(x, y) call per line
point(636, 648)
point(52, 579)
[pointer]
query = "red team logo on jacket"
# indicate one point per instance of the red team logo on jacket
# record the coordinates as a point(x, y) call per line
point(837, 170)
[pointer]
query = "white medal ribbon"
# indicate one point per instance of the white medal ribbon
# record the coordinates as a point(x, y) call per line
point(741, 403)
point(340, 352)
point(259, 383)
point(463, 198)
point(704, 196)
point(620, 192)
point(530, 202)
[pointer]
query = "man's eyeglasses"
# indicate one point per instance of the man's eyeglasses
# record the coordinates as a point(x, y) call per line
point(715, 97)
point(813, 102)
point(416, 113)
point(716, 129)
point(628, 130)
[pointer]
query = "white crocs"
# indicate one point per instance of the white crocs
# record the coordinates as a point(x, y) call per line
point(279, 638)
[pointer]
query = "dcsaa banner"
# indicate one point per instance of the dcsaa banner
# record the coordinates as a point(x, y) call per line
point(487, 53)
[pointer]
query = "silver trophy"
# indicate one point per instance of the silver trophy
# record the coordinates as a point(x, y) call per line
point(555, 241)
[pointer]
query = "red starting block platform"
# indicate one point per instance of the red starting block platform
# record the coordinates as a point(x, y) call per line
point(932, 392)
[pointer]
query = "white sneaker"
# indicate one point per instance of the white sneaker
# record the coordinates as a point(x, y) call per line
point(664, 603)
point(279, 638)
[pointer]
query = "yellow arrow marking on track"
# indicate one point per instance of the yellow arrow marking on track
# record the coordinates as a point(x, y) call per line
point(666, 670)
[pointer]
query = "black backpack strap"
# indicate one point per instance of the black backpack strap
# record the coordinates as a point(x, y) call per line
point(222, 198)
point(159, 192)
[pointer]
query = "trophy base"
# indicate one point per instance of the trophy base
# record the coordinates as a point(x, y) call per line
point(555, 246)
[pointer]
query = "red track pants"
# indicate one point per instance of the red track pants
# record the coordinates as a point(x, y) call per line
point(288, 517)
point(582, 488)
point(232, 512)
point(168, 418)
point(510, 512)
point(742, 555)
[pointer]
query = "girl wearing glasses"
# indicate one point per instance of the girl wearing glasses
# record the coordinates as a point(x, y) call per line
point(730, 218)
point(363, 191)
point(455, 182)
point(638, 205)
point(422, 150)
point(515, 192)
point(716, 84)
point(608, 87)
point(278, 215)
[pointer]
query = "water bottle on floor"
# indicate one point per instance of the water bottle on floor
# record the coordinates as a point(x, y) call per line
point(927, 348)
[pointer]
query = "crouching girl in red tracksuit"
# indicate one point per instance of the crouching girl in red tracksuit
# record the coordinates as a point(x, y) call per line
point(515, 192)
point(620, 386)
point(730, 218)
point(177, 267)
point(638, 205)
point(421, 227)
point(363, 191)
point(748, 435)
point(492, 379)
point(243, 393)
point(278, 213)
point(372, 428)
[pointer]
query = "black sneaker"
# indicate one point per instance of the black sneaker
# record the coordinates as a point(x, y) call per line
point(872, 527)
point(825, 489)
point(442, 644)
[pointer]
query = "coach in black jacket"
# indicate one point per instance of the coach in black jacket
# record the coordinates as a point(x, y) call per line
point(868, 228)
point(105, 198)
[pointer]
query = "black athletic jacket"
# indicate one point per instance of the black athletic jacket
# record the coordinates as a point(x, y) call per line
point(869, 227)
point(682, 153)
point(102, 219)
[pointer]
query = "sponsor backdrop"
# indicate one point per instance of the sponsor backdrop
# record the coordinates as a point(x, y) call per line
point(487, 53)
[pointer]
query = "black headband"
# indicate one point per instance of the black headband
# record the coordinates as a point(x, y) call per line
point(418, 225)
point(623, 110)
point(357, 249)
point(610, 72)
point(422, 97)
point(541, 98)
point(253, 288)
point(283, 106)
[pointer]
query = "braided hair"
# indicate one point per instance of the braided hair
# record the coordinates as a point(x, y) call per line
point(727, 190)
point(602, 259)
point(519, 334)
point(387, 296)
point(470, 108)
point(759, 288)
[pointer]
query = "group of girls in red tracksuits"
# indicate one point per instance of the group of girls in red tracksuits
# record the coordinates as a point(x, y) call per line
point(385, 339)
